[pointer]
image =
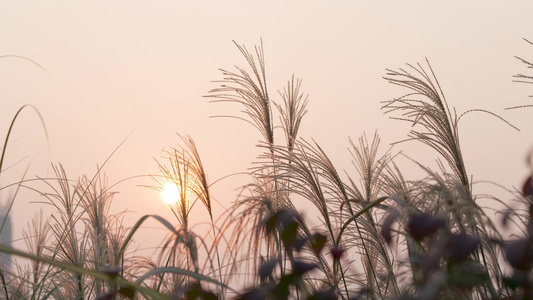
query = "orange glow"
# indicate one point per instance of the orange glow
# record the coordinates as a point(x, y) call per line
point(171, 194)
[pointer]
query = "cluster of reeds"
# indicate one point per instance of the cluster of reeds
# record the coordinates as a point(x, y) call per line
point(381, 236)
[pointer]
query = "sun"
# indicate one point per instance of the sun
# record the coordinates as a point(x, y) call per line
point(170, 194)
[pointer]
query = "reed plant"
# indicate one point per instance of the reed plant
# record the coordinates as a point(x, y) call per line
point(380, 236)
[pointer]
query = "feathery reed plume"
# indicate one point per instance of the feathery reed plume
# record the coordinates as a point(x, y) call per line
point(201, 189)
point(178, 176)
point(268, 238)
point(196, 169)
point(375, 257)
point(298, 167)
point(36, 239)
point(104, 230)
point(187, 173)
point(427, 108)
point(522, 78)
point(292, 111)
point(248, 90)
point(252, 237)
point(84, 234)
point(188, 179)
point(308, 172)
point(17, 285)
point(67, 244)
point(247, 242)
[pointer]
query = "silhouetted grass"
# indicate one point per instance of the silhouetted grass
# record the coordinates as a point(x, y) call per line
point(381, 236)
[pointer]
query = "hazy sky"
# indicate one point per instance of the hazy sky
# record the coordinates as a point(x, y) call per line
point(115, 68)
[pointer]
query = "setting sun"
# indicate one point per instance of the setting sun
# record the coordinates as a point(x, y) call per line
point(170, 194)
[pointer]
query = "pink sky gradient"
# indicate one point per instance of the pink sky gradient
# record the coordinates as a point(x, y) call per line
point(137, 70)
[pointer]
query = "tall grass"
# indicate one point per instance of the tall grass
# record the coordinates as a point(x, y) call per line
point(380, 235)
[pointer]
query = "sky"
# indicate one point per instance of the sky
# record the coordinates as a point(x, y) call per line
point(134, 73)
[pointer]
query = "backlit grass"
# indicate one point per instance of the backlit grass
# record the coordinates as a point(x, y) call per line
point(380, 235)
